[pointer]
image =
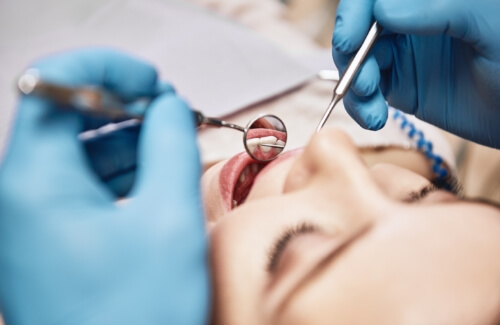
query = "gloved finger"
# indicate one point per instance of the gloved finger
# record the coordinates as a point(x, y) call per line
point(427, 17)
point(133, 108)
point(383, 52)
point(367, 79)
point(139, 107)
point(44, 157)
point(399, 78)
point(46, 136)
point(354, 19)
point(341, 60)
point(125, 76)
point(169, 162)
point(369, 112)
point(113, 157)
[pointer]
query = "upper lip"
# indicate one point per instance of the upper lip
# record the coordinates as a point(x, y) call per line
point(258, 133)
point(233, 168)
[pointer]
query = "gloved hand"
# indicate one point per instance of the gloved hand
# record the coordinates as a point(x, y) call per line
point(68, 253)
point(438, 60)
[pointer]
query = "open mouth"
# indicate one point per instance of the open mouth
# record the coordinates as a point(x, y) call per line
point(244, 183)
point(236, 179)
point(238, 174)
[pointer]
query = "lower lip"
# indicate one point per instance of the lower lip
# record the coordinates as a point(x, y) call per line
point(228, 176)
point(232, 169)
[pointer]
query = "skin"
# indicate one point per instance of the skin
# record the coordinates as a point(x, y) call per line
point(373, 259)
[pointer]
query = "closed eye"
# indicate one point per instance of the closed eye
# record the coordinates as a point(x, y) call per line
point(414, 197)
point(451, 185)
point(283, 240)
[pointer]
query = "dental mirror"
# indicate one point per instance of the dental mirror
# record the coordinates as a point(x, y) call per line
point(265, 137)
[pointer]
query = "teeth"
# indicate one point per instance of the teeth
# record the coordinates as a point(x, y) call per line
point(235, 203)
point(252, 144)
point(267, 140)
point(281, 143)
point(244, 174)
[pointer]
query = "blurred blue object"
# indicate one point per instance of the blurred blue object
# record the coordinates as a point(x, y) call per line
point(68, 253)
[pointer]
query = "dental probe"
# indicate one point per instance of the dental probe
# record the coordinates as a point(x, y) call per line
point(351, 71)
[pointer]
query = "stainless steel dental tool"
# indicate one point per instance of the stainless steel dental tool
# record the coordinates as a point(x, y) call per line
point(351, 71)
point(264, 137)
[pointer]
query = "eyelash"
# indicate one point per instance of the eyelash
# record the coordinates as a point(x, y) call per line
point(417, 196)
point(453, 187)
point(279, 245)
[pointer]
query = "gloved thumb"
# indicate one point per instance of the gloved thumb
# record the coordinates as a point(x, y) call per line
point(168, 166)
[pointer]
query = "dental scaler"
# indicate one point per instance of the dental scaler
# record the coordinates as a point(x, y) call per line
point(351, 71)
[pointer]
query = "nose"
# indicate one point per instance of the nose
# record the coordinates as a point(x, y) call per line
point(332, 164)
point(330, 155)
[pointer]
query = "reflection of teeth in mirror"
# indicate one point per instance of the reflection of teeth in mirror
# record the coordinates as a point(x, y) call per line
point(267, 140)
point(281, 143)
point(252, 144)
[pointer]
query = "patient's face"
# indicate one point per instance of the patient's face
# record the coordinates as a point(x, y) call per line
point(320, 238)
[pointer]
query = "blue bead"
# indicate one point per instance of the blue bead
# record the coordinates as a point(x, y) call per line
point(442, 173)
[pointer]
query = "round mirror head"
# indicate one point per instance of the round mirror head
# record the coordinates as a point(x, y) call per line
point(265, 137)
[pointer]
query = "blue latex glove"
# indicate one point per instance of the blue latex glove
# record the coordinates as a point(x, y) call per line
point(113, 158)
point(68, 253)
point(438, 60)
